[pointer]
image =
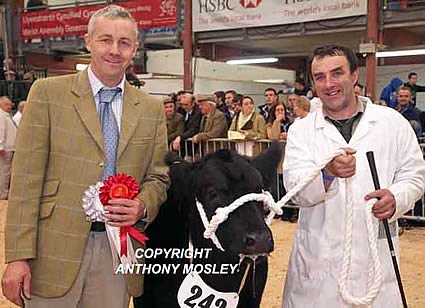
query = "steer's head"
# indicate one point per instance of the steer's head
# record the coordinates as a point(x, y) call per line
point(219, 179)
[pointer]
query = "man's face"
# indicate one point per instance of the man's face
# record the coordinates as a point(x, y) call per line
point(186, 102)
point(6, 105)
point(205, 107)
point(271, 98)
point(229, 99)
point(292, 99)
point(169, 109)
point(404, 97)
point(413, 79)
point(112, 44)
point(334, 82)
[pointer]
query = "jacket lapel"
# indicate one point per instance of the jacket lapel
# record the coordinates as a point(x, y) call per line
point(130, 117)
point(86, 107)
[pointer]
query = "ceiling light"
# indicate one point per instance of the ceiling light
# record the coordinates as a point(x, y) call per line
point(400, 53)
point(279, 81)
point(252, 61)
point(81, 67)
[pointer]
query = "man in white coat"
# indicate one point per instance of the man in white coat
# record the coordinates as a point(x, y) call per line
point(349, 122)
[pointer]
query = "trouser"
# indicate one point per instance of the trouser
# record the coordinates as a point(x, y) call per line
point(96, 284)
point(5, 166)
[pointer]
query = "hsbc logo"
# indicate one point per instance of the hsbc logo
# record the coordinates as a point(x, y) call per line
point(250, 4)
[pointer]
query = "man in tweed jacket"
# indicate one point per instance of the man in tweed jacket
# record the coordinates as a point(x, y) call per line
point(54, 255)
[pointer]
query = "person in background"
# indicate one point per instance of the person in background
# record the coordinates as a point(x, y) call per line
point(192, 121)
point(18, 115)
point(7, 144)
point(175, 121)
point(389, 93)
point(414, 87)
point(301, 89)
point(272, 99)
point(301, 107)
point(213, 123)
point(407, 109)
point(350, 123)
point(220, 98)
point(248, 122)
point(77, 130)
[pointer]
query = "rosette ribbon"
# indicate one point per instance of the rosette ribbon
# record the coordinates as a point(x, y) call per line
point(117, 186)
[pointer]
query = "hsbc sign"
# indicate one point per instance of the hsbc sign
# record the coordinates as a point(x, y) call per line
point(210, 15)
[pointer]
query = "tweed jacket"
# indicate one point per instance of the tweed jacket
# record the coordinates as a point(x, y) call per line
point(59, 154)
point(213, 126)
point(175, 126)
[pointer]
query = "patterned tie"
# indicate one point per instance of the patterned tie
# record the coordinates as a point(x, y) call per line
point(109, 129)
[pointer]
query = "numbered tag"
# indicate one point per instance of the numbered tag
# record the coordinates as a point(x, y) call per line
point(195, 293)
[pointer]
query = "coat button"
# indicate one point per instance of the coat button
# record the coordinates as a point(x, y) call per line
point(102, 164)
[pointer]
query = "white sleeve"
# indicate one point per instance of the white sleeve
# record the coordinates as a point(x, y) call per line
point(299, 161)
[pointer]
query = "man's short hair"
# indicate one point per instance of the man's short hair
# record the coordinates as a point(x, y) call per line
point(270, 89)
point(233, 92)
point(112, 12)
point(404, 88)
point(220, 94)
point(412, 74)
point(336, 50)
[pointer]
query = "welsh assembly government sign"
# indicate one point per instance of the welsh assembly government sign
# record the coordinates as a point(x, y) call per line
point(73, 21)
point(229, 14)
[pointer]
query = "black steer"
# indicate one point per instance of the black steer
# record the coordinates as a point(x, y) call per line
point(216, 181)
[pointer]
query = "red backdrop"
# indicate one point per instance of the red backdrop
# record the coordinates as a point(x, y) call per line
point(73, 21)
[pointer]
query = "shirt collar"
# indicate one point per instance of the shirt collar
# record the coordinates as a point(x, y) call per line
point(96, 84)
point(360, 108)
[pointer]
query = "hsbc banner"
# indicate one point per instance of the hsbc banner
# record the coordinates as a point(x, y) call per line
point(229, 14)
point(73, 21)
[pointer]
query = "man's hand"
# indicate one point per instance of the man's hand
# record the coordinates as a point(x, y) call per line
point(385, 207)
point(176, 143)
point(124, 212)
point(342, 166)
point(16, 278)
point(283, 136)
point(195, 139)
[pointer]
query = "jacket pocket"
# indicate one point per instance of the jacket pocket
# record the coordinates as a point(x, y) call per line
point(46, 209)
point(48, 198)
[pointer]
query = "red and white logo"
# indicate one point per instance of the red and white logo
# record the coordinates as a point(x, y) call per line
point(250, 4)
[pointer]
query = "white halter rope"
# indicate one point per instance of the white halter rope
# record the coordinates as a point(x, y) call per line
point(374, 269)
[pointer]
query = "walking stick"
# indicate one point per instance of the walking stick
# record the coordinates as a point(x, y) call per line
point(372, 166)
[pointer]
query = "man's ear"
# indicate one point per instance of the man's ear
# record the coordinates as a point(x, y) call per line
point(268, 161)
point(355, 76)
point(87, 39)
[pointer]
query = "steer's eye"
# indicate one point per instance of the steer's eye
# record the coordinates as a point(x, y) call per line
point(212, 193)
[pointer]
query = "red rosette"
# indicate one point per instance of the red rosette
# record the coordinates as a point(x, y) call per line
point(118, 186)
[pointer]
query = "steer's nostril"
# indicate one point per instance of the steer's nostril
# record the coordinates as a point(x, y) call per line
point(257, 243)
point(250, 240)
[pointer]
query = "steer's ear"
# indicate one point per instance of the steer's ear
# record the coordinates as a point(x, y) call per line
point(180, 172)
point(268, 161)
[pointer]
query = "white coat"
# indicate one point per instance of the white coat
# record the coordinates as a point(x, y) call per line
point(314, 265)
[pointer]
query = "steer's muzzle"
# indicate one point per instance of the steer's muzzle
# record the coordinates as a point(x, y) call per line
point(258, 243)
